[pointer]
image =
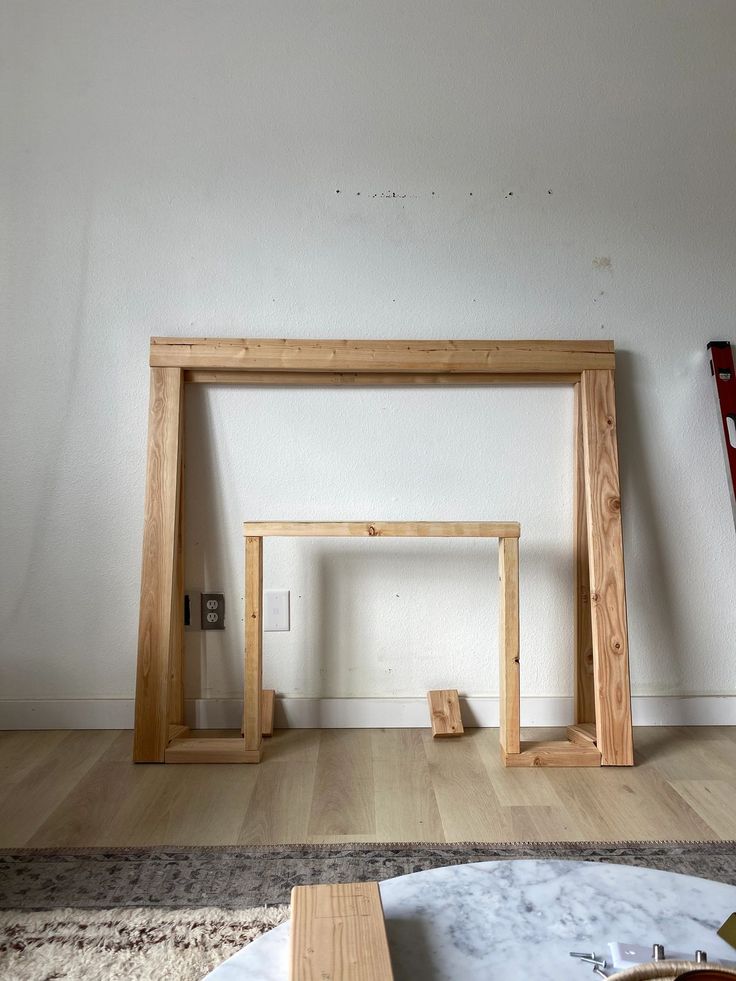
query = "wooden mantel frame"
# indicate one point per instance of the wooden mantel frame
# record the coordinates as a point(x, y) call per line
point(602, 688)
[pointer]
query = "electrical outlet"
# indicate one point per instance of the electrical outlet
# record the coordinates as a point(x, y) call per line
point(212, 606)
point(276, 609)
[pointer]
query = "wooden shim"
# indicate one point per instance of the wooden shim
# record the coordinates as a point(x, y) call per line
point(444, 712)
point(374, 379)
point(584, 679)
point(383, 529)
point(211, 749)
point(509, 701)
point(268, 696)
point(253, 642)
point(552, 754)
point(338, 934)
point(159, 605)
point(305, 356)
point(177, 731)
point(582, 734)
point(607, 580)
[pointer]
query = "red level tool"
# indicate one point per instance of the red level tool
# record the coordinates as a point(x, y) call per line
point(721, 367)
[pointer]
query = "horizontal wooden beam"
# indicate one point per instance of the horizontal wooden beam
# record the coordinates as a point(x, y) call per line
point(552, 754)
point(382, 529)
point(374, 379)
point(433, 357)
point(210, 749)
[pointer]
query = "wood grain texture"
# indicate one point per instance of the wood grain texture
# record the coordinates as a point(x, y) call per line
point(374, 379)
point(338, 934)
point(343, 801)
point(62, 789)
point(444, 713)
point(158, 604)
point(509, 696)
point(253, 677)
point(607, 578)
point(305, 356)
point(220, 749)
point(553, 754)
point(383, 529)
point(583, 637)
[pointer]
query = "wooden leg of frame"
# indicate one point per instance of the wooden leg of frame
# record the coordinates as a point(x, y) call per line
point(584, 681)
point(253, 643)
point(509, 702)
point(158, 575)
point(176, 658)
point(607, 581)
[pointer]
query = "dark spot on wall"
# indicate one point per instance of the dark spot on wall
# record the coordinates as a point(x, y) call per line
point(549, 191)
point(337, 191)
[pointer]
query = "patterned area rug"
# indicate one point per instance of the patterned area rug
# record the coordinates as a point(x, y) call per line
point(135, 944)
point(240, 878)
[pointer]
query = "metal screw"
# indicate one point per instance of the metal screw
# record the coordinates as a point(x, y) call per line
point(591, 958)
point(601, 974)
point(657, 952)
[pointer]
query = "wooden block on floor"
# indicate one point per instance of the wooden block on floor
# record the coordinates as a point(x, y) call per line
point(208, 749)
point(552, 754)
point(582, 734)
point(444, 711)
point(268, 696)
point(338, 934)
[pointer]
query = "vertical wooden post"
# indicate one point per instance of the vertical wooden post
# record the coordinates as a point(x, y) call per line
point(158, 607)
point(176, 658)
point(607, 580)
point(253, 642)
point(584, 680)
point(509, 701)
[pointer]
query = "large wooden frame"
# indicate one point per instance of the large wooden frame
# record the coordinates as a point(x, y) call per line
point(602, 690)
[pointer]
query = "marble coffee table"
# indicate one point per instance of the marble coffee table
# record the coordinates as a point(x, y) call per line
point(515, 920)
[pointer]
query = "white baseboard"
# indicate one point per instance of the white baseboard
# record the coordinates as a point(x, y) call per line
point(359, 713)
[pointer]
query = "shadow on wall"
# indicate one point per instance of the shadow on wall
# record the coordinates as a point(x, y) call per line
point(662, 617)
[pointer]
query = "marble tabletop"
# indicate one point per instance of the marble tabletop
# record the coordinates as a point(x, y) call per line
point(520, 919)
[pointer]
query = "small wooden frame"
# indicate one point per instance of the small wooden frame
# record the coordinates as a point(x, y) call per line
point(444, 713)
point(446, 709)
point(338, 933)
point(602, 692)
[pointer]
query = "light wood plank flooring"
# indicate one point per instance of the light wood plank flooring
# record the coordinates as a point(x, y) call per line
point(362, 785)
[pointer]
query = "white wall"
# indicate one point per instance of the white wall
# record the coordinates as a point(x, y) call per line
point(504, 169)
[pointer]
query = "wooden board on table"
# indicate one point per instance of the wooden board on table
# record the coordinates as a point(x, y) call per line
point(338, 934)
point(444, 712)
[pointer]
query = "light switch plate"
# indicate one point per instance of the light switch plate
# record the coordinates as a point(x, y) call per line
point(276, 609)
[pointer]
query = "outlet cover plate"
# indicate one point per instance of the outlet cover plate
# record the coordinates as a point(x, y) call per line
point(212, 606)
point(276, 609)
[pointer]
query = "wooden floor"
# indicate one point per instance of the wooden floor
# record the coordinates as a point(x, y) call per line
point(80, 788)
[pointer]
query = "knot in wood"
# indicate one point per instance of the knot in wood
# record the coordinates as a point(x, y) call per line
point(372, 530)
point(614, 504)
point(610, 422)
point(594, 597)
